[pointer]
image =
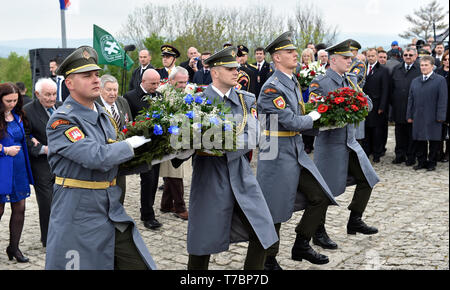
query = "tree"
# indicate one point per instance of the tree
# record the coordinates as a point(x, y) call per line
point(14, 69)
point(423, 19)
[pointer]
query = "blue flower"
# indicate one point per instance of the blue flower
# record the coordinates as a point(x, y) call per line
point(190, 114)
point(227, 127)
point(156, 115)
point(208, 102)
point(188, 99)
point(174, 130)
point(157, 130)
point(198, 99)
point(213, 120)
point(147, 115)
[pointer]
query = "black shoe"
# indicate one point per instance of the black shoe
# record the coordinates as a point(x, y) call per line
point(431, 168)
point(410, 162)
point(420, 166)
point(152, 224)
point(271, 264)
point(322, 239)
point(302, 250)
point(399, 160)
point(356, 225)
point(16, 254)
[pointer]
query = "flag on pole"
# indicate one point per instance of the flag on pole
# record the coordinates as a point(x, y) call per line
point(109, 50)
point(64, 4)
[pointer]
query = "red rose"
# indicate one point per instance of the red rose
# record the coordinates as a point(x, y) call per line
point(346, 109)
point(147, 118)
point(339, 100)
point(132, 124)
point(322, 108)
point(125, 130)
point(355, 108)
point(312, 73)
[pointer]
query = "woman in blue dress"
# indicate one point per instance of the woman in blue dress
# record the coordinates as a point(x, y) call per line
point(15, 171)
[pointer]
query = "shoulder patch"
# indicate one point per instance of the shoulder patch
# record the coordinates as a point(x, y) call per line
point(270, 91)
point(280, 103)
point(314, 85)
point(59, 122)
point(356, 70)
point(74, 134)
point(361, 65)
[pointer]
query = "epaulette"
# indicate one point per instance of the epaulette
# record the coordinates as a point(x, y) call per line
point(64, 109)
point(246, 94)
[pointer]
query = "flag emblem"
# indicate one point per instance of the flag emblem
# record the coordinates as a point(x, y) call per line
point(279, 103)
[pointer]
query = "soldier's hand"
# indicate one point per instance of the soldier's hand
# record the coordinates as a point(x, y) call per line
point(137, 141)
point(314, 115)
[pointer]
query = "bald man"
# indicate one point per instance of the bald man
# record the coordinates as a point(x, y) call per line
point(193, 64)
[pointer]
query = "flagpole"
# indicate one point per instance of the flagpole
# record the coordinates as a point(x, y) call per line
point(63, 28)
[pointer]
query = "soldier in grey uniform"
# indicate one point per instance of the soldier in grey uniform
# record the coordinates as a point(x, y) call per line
point(288, 178)
point(226, 204)
point(359, 69)
point(337, 151)
point(89, 228)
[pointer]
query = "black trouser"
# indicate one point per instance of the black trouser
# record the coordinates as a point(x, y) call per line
point(315, 210)
point(308, 141)
point(149, 186)
point(126, 255)
point(404, 145)
point(427, 157)
point(373, 141)
point(256, 254)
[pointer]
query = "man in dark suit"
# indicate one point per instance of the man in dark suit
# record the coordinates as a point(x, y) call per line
point(38, 113)
point(262, 69)
point(242, 57)
point(136, 77)
point(203, 75)
point(149, 180)
point(169, 57)
point(193, 64)
point(401, 78)
point(377, 87)
point(119, 110)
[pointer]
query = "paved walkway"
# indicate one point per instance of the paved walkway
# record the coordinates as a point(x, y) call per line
point(410, 209)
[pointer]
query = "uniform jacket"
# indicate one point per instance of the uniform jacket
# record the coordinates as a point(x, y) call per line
point(281, 159)
point(399, 90)
point(212, 225)
point(83, 221)
point(377, 88)
point(6, 161)
point(359, 69)
point(332, 147)
point(427, 104)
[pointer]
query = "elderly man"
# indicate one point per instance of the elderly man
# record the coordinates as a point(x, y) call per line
point(193, 64)
point(323, 58)
point(38, 113)
point(172, 199)
point(119, 109)
point(427, 108)
point(338, 154)
point(149, 180)
point(144, 61)
point(89, 228)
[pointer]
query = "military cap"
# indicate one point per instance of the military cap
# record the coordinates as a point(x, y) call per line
point(342, 48)
point(423, 52)
point(169, 50)
point(241, 50)
point(225, 45)
point(354, 45)
point(83, 59)
point(282, 42)
point(226, 57)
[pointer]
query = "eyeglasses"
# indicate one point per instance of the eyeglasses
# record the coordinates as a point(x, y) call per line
point(407, 55)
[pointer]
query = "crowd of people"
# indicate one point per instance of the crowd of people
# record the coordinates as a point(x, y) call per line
point(63, 142)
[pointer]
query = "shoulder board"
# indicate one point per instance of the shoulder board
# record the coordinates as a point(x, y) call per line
point(64, 109)
point(246, 94)
point(253, 66)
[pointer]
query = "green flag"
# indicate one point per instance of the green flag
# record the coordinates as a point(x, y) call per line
point(109, 50)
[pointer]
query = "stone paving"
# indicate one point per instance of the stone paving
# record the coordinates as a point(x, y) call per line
point(410, 209)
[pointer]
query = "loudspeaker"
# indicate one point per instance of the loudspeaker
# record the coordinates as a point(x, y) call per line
point(40, 58)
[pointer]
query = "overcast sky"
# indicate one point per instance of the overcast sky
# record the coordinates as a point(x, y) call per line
point(41, 18)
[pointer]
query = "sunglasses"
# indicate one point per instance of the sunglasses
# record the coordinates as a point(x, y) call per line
point(407, 55)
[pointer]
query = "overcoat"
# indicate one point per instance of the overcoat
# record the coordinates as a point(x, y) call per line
point(83, 221)
point(218, 183)
point(333, 147)
point(281, 159)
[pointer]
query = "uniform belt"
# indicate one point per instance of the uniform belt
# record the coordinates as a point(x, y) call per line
point(281, 133)
point(75, 183)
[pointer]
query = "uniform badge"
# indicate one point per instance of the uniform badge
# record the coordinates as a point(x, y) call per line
point(59, 122)
point(313, 96)
point(86, 54)
point(314, 85)
point(356, 71)
point(361, 65)
point(254, 113)
point(279, 103)
point(74, 134)
point(270, 90)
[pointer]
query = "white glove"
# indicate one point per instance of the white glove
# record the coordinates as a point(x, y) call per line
point(137, 141)
point(314, 115)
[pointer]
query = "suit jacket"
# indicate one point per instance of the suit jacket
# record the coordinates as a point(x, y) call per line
point(261, 76)
point(136, 77)
point(191, 72)
point(124, 110)
point(135, 101)
point(163, 73)
point(202, 78)
point(377, 87)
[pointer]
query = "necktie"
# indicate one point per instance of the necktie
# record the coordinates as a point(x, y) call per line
point(408, 67)
point(259, 67)
point(50, 110)
point(115, 115)
point(370, 70)
point(425, 78)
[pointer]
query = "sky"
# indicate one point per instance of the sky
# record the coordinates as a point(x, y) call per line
point(35, 19)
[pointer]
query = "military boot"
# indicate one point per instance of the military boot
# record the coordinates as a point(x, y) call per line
point(356, 225)
point(321, 239)
point(271, 264)
point(302, 250)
